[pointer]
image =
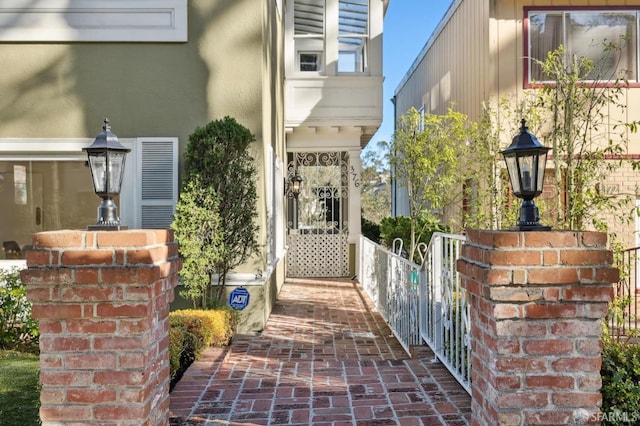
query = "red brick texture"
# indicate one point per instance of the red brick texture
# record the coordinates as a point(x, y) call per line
point(537, 299)
point(102, 299)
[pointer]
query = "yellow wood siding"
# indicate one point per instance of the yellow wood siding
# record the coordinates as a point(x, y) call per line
point(477, 53)
point(508, 20)
point(455, 66)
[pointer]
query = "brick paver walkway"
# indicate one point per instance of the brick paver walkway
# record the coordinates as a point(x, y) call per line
point(325, 357)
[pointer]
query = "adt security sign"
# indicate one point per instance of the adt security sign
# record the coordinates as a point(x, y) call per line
point(239, 298)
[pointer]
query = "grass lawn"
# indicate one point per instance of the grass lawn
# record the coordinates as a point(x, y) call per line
point(19, 390)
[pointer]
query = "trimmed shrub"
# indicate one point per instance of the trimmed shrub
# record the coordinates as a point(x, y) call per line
point(223, 322)
point(215, 153)
point(192, 330)
point(176, 347)
point(208, 327)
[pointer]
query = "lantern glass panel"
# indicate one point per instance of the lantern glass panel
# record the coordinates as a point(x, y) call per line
point(512, 168)
point(542, 165)
point(116, 169)
point(296, 186)
point(527, 168)
point(98, 163)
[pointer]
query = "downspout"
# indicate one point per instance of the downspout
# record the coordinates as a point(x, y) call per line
point(394, 188)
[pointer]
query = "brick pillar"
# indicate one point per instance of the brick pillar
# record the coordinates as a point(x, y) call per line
point(537, 300)
point(102, 299)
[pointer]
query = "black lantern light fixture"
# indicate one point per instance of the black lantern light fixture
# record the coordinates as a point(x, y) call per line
point(296, 184)
point(106, 159)
point(293, 187)
point(526, 160)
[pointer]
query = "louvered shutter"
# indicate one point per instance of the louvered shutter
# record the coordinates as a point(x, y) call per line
point(158, 183)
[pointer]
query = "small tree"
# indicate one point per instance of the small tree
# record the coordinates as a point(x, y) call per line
point(218, 157)
point(573, 111)
point(198, 231)
point(587, 143)
point(375, 191)
point(426, 155)
point(488, 190)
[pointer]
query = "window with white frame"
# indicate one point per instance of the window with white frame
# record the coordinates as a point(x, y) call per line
point(609, 37)
point(353, 30)
point(309, 18)
point(310, 61)
point(331, 27)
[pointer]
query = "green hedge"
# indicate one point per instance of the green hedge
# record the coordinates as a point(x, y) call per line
point(371, 230)
point(192, 331)
point(176, 348)
point(17, 325)
point(400, 227)
point(620, 373)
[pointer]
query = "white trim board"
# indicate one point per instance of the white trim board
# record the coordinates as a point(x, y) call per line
point(93, 21)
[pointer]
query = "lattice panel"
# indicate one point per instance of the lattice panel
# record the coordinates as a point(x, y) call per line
point(322, 255)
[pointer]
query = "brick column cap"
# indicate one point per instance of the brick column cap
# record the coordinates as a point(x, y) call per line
point(102, 239)
point(556, 239)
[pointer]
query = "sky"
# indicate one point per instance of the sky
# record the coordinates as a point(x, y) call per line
point(408, 25)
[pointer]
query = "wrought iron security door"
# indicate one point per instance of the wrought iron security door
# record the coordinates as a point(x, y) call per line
point(318, 216)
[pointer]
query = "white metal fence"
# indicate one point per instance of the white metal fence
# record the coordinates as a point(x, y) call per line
point(422, 303)
point(392, 282)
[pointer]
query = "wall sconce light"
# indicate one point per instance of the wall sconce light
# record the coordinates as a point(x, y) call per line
point(106, 159)
point(294, 185)
point(526, 160)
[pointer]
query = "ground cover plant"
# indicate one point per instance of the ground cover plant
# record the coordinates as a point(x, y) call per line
point(19, 362)
point(19, 388)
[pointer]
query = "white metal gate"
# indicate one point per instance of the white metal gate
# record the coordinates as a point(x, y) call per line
point(444, 309)
point(318, 216)
point(423, 302)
